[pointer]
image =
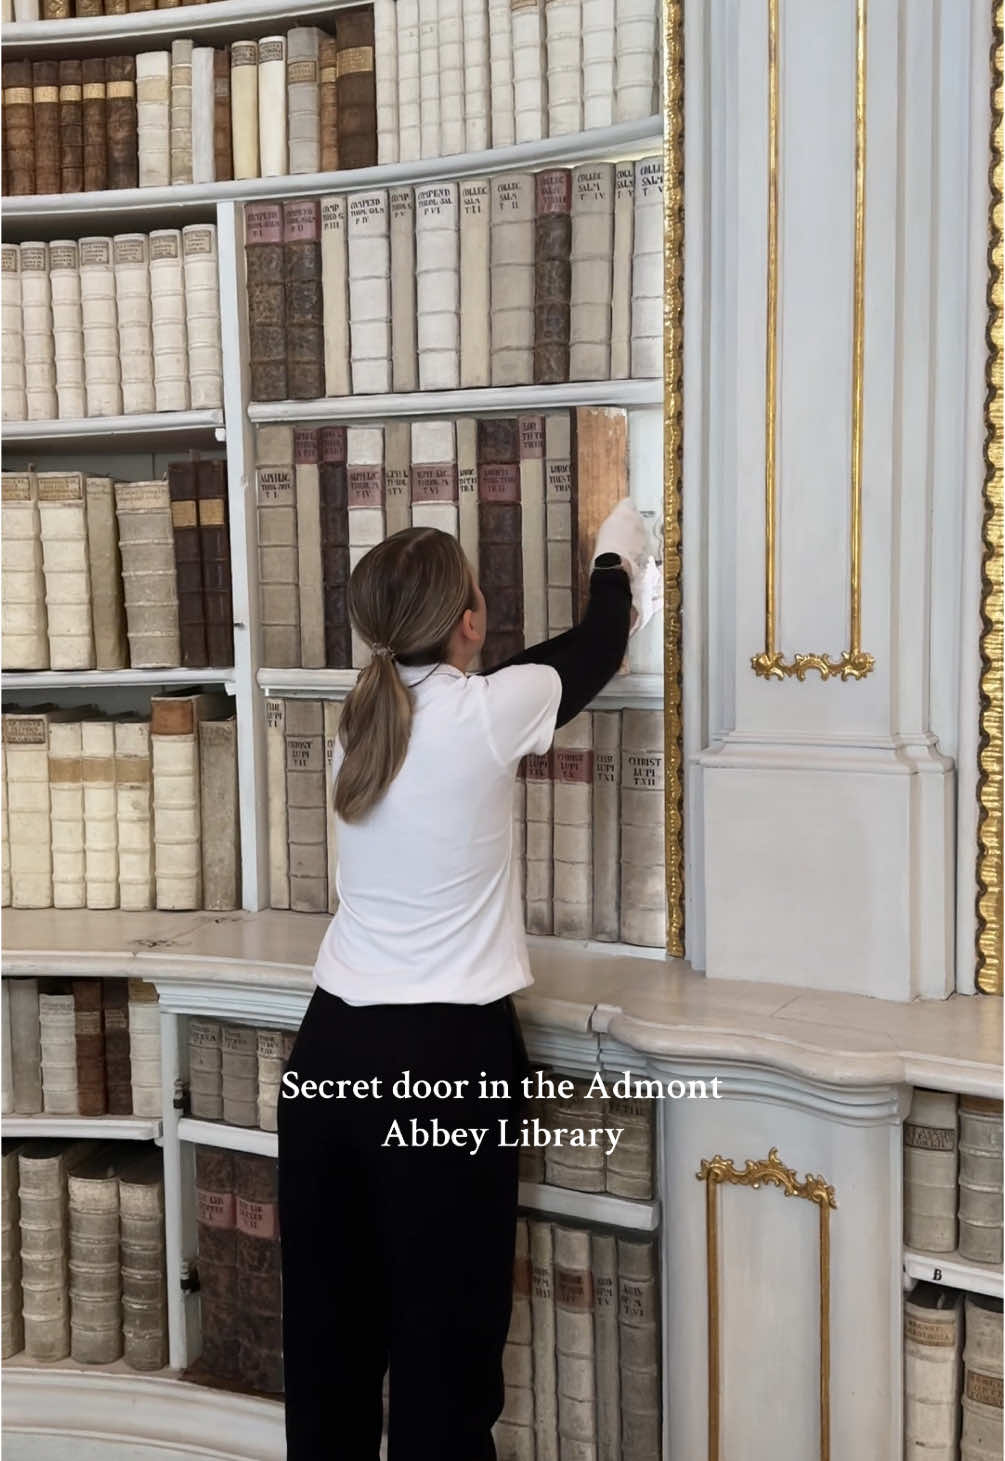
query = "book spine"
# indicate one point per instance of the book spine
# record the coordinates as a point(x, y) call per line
point(26, 738)
point(434, 476)
point(606, 825)
point(629, 1168)
point(598, 63)
point(514, 1430)
point(65, 567)
point(27, 1046)
point(177, 801)
point(636, 59)
point(530, 70)
point(600, 477)
point(328, 102)
point(203, 115)
point(574, 1341)
point(71, 127)
point(272, 144)
point(93, 106)
point(39, 346)
point(266, 300)
point(244, 108)
point(621, 270)
point(15, 404)
point(572, 829)
point(386, 79)
point(259, 1337)
point(101, 841)
point(512, 278)
point(333, 484)
point(275, 775)
point(134, 820)
point(475, 275)
point(365, 496)
point(205, 1099)
point(409, 101)
point(309, 570)
point(647, 269)
point(67, 328)
point(370, 292)
point(122, 121)
point(500, 566)
point(146, 544)
point(591, 284)
point(534, 529)
point(45, 119)
point(538, 773)
point(980, 1210)
point(101, 328)
point(168, 320)
point(220, 814)
point(239, 1075)
point(332, 716)
point(214, 538)
point(304, 303)
point(25, 637)
point(335, 292)
point(604, 1262)
point(503, 128)
point(107, 606)
point(188, 563)
point(404, 360)
point(543, 1310)
point(552, 276)
point(19, 126)
point(115, 1027)
point(430, 144)
point(303, 101)
point(278, 560)
point(643, 890)
point(450, 44)
point(223, 155)
point(437, 286)
point(477, 78)
point(202, 315)
point(66, 814)
point(357, 95)
point(639, 1335)
point(397, 476)
point(131, 262)
point(519, 835)
point(59, 1097)
point(305, 789)
point(930, 1171)
point(564, 25)
point(181, 111)
point(5, 842)
point(466, 431)
point(560, 520)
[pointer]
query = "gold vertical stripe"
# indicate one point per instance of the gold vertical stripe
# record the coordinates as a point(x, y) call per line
point(673, 454)
point(858, 346)
point(825, 1332)
point(712, 1288)
point(771, 334)
point(992, 641)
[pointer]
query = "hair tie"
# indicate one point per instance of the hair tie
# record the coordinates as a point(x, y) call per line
point(382, 649)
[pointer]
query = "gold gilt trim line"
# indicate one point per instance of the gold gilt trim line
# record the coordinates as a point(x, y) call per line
point(673, 418)
point(990, 740)
point(758, 1171)
point(853, 663)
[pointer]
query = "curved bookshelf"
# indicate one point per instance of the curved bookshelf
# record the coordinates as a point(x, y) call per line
point(218, 21)
point(631, 692)
point(496, 400)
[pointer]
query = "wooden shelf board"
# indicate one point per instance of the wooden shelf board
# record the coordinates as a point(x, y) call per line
point(498, 400)
point(642, 692)
point(108, 1128)
point(143, 432)
point(594, 1207)
point(120, 679)
point(952, 1271)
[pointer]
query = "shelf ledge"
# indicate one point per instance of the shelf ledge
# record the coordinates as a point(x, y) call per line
point(230, 1138)
point(117, 433)
point(593, 1207)
point(952, 1271)
point(633, 692)
point(107, 1128)
point(117, 679)
point(506, 400)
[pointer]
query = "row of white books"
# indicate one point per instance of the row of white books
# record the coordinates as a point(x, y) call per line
point(112, 326)
point(952, 1375)
point(122, 812)
point(953, 1175)
point(464, 75)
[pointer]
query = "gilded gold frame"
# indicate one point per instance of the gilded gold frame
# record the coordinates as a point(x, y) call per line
point(673, 420)
point(990, 745)
point(715, 1172)
point(854, 663)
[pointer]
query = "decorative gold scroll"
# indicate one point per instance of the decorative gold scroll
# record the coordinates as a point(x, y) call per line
point(673, 417)
point(992, 647)
point(714, 1172)
point(854, 663)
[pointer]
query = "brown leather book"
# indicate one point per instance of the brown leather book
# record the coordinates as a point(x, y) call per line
point(357, 90)
point(20, 126)
point(335, 547)
point(138, 5)
point(223, 157)
point(552, 275)
point(120, 106)
point(71, 128)
point(188, 563)
point(112, 7)
point(88, 8)
point(45, 94)
point(258, 1320)
point(93, 104)
point(92, 1098)
point(57, 9)
point(214, 536)
point(263, 250)
point(599, 481)
point(500, 532)
point(118, 1067)
point(328, 101)
point(305, 345)
point(216, 1221)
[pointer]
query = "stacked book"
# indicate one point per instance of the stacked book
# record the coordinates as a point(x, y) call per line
point(524, 496)
point(235, 1072)
point(82, 1047)
point(112, 326)
point(25, 10)
point(463, 75)
point(588, 821)
point(952, 1375)
point(627, 1171)
point(953, 1175)
point(119, 812)
point(303, 102)
point(240, 1283)
point(108, 575)
point(516, 279)
point(582, 1358)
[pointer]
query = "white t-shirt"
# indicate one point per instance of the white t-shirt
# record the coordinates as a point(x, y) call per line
point(429, 896)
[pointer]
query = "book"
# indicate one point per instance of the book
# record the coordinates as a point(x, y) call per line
point(67, 329)
point(543, 1327)
point(466, 437)
point(409, 104)
point(134, 320)
point(477, 77)
point(278, 821)
point(25, 636)
point(42, 1170)
point(205, 1078)
point(643, 871)
point(560, 518)
point(636, 60)
point(181, 111)
point(981, 1434)
point(335, 292)
point(92, 1097)
point(97, 758)
point(59, 1049)
point(370, 292)
point(475, 275)
point(39, 347)
point(63, 527)
point(552, 275)
point(11, 1296)
point(328, 102)
point(94, 121)
point(146, 544)
point(108, 614)
point(19, 128)
point(591, 283)
point(223, 155)
point(302, 100)
point(153, 118)
point(930, 1171)
point(639, 1336)
point(332, 716)
point(500, 537)
point(144, 1022)
point(71, 128)
point(621, 270)
point(512, 282)
point(134, 816)
point(4, 837)
point(404, 361)
point(278, 559)
point(216, 1226)
point(530, 70)
point(122, 121)
point(26, 744)
point(514, 1430)
point(15, 405)
point(450, 62)
point(606, 829)
point(168, 320)
point(563, 29)
point(244, 108)
point(539, 857)
point(599, 53)
point(214, 538)
point(99, 313)
point(304, 302)
point(142, 1250)
point(239, 1074)
point(429, 80)
point(574, 1339)
point(334, 516)
point(174, 740)
point(647, 270)
point(26, 1046)
point(980, 1208)
point(534, 529)
point(66, 813)
point(305, 789)
point(203, 114)
point(220, 814)
point(45, 120)
point(188, 563)
point(434, 476)
point(437, 286)
point(386, 79)
point(572, 829)
point(265, 265)
point(202, 316)
point(258, 1318)
point(933, 1351)
point(273, 154)
point(310, 577)
point(356, 88)
point(96, 1281)
point(604, 1265)
point(365, 487)
point(600, 466)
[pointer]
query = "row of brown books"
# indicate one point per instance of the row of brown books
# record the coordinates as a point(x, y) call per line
point(107, 575)
point(28, 10)
point(122, 812)
point(524, 495)
point(516, 279)
point(952, 1375)
point(302, 102)
point(82, 1248)
point(588, 821)
point(81, 1047)
point(953, 1175)
point(112, 326)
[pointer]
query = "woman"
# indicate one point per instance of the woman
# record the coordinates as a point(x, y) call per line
point(398, 1238)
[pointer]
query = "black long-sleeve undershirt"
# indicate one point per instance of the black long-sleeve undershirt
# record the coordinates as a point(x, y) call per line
point(588, 655)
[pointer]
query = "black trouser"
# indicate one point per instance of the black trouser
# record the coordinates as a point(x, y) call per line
point(392, 1254)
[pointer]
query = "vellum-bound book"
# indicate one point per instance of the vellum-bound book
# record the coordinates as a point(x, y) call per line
point(15, 405)
point(930, 1161)
point(66, 570)
point(131, 256)
point(101, 836)
point(58, 1032)
point(4, 830)
point(95, 1272)
point(512, 278)
point(514, 1430)
point(604, 1261)
point(598, 63)
point(278, 558)
point(933, 1348)
point(607, 825)
point(981, 1179)
point(540, 861)
point(503, 128)
point(11, 1317)
point(303, 100)
point(637, 60)
point(25, 636)
point(639, 1325)
point(560, 520)
point(108, 611)
point(25, 1032)
point(475, 276)
point(543, 1325)
point(66, 808)
point(134, 814)
point(434, 476)
point(574, 1342)
point(144, 1280)
point(407, 45)
point(202, 316)
point(174, 738)
point(365, 493)
point(272, 148)
point(220, 811)
point(335, 290)
point(204, 114)
point(530, 70)
point(244, 108)
point(628, 1170)
point(36, 322)
point(26, 742)
point(305, 791)
point(437, 286)
point(982, 1379)
point(572, 830)
point(67, 328)
point(477, 77)
point(274, 1048)
point(429, 80)
point(205, 1080)
point(466, 432)
point(621, 270)
point(239, 1074)
point(310, 578)
point(181, 111)
point(647, 269)
point(450, 63)
point(168, 320)
point(42, 1170)
point(592, 271)
point(101, 328)
point(534, 529)
point(153, 118)
point(143, 1014)
point(564, 25)
point(643, 858)
point(332, 716)
point(370, 292)
point(404, 361)
point(146, 543)
point(275, 772)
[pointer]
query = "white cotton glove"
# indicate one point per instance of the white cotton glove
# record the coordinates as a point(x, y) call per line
point(624, 531)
